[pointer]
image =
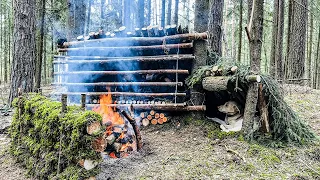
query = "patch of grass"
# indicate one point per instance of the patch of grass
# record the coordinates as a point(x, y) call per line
point(267, 155)
point(249, 167)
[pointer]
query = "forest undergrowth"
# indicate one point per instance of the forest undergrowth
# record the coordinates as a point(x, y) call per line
point(199, 150)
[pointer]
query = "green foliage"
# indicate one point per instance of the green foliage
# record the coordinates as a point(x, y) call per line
point(41, 133)
point(285, 123)
point(286, 126)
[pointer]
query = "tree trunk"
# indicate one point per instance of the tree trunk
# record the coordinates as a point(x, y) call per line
point(1, 43)
point(6, 45)
point(200, 25)
point(24, 54)
point(126, 13)
point(255, 34)
point(215, 28)
point(308, 69)
point(148, 20)
point(102, 9)
point(240, 30)
point(169, 12)
point(45, 60)
point(88, 17)
point(140, 18)
point(277, 40)
point(316, 78)
point(200, 47)
point(76, 18)
point(40, 53)
point(287, 64)
point(163, 13)
point(297, 45)
point(176, 12)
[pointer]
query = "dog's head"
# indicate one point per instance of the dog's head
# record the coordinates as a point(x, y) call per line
point(230, 108)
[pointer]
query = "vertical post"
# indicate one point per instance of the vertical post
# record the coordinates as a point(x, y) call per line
point(200, 46)
point(64, 99)
point(83, 101)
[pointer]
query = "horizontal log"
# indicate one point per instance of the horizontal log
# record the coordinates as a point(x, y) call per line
point(159, 71)
point(220, 83)
point(103, 60)
point(121, 84)
point(215, 83)
point(127, 48)
point(160, 107)
point(121, 94)
point(136, 40)
point(253, 78)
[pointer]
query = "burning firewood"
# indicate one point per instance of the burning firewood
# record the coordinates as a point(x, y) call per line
point(135, 129)
point(110, 139)
point(99, 144)
point(145, 122)
point(154, 121)
point(93, 128)
point(117, 146)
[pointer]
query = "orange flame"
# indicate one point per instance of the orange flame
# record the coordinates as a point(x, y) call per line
point(107, 112)
point(113, 155)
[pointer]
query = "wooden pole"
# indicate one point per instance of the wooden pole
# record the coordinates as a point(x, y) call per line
point(64, 102)
point(159, 71)
point(137, 40)
point(122, 94)
point(105, 60)
point(108, 84)
point(105, 50)
point(83, 101)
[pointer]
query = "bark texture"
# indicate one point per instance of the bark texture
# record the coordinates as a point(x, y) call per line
point(255, 43)
point(24, 55)
point(276, 58)
point(163, 13)
point(200, 46)
point(76, 18)
point(140, 19)
point(297, 39)
point(215, 27)
point(240, 30)
point(41, 43)
point(176, 12)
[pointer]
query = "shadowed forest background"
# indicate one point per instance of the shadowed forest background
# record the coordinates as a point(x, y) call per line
point(290, 39)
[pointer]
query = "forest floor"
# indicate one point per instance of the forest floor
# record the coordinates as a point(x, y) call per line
point(198, 151)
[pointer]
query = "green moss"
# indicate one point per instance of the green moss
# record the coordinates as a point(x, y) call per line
point(36, 138)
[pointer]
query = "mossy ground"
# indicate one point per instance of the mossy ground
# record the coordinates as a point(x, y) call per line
point(198, 150)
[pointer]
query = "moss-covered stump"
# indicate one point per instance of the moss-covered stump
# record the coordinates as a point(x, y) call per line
point(46, 141)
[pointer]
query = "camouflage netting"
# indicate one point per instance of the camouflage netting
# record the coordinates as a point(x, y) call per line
point(42, 137)
point(285, 124)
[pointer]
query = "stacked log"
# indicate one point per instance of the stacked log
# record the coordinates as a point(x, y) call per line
point(150, 31)
point(153, 117)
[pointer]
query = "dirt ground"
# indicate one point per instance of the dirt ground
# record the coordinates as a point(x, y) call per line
point(193, 151)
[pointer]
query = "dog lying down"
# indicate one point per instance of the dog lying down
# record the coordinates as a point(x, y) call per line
point(234, 118)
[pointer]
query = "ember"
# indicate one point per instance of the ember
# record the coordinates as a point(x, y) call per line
point(119, 137)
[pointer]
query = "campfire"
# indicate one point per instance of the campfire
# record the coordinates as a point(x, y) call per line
point(120, 136)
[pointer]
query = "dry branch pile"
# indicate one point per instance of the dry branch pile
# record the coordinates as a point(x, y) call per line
point(53, 145)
